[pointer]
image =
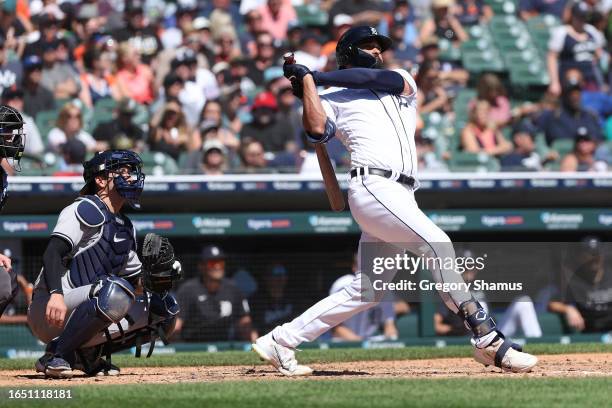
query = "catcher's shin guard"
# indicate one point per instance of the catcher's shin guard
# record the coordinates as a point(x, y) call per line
point(110, 299)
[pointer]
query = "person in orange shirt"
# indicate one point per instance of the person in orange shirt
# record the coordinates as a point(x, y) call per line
point(135, 79)
point(342, 22)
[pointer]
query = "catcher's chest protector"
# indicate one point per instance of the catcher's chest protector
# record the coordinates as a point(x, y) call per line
point(109, 253)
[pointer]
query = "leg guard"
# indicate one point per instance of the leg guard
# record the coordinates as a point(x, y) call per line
point(476, 318)
point(110, 299)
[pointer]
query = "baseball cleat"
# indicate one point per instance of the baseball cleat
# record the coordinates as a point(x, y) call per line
point(505, 355)
point(281, 357)
point(54, 367)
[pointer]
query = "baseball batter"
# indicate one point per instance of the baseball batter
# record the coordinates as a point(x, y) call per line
point(86, 300)
point(12, 142)
point(373, 112)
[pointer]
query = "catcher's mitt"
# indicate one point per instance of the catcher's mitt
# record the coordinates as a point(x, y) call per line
point(160, 268)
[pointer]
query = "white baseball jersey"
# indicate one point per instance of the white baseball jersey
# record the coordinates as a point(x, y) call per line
point(376, 127)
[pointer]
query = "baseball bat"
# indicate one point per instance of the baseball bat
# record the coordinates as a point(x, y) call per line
point(332, 188)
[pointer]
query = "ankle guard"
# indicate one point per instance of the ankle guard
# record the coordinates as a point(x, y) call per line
point(476, 318)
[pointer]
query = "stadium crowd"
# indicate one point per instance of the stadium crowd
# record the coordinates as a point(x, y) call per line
point(197, 86)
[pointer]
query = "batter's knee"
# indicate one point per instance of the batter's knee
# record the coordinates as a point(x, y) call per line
point(113, 297)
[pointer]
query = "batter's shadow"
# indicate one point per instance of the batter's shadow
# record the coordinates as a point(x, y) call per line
point(316, 373)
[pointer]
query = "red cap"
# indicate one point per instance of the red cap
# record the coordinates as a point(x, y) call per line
point(265, 100)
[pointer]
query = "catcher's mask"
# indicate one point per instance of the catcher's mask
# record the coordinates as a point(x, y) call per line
point(348, 52)
point(129, 178)
point(12, 136)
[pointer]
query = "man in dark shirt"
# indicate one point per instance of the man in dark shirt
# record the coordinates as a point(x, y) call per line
point(563, 122)
point(121, 132)
point(141, 36)
point(587, 304)
point(274, 133)
point(272, 304)
point(212, 308)
point(11, 72)
point(532, 8)
point(35, 97)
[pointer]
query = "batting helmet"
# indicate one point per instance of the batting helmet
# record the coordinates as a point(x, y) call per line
point(104, 162)
point(348, 52)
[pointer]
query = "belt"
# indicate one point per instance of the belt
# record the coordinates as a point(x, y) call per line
point(403, 179)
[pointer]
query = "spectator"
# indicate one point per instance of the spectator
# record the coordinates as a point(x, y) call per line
point(212, 308)
point(97, 80)
point(73, 154)
point(135, 79)
point(173, 37)
point(288, 105)
point(239, 71)
point(582, 158)
point(595, 101)
point(48, 30)
point(402, 50)
point(35, 98)
point(524, 157)
point(169, 131)
point(586, 305)
point(264, 58)
point(309, 52)
point(274, 134)
point(481, 135)
point(532, 8)
point(69, 125)
point(444, 23)
point(13, 97)
point(225, 45)
point(432, 97)
point(363, 12)
point(451, 75)
point(138, 33)
point(564, 121)
point(191, 97)
point(121, 132)
point(214, 158)
point(429, 161)
point(276, 16)
point(212, 115)
point(472, 12)
point(16, 311)
point(272, 303)
point(252, 156)
point(402, 12)
point(364, 325)
point(254, 24)
point(490, 89)
point(341, 23)
point(200, 40)
point(575, 45)
point(11, 71)
point(233, 109)
point(58, 77)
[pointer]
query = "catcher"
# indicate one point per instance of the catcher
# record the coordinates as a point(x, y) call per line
point(93, 296)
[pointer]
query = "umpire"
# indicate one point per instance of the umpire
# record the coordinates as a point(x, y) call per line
point(11, 147)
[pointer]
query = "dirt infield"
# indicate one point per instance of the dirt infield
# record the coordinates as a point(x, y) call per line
point(570, 365)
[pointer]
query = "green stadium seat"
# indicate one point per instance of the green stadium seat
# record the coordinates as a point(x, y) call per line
point(532, 74)
point(45, 121)
point(158, 164)
point(479, 44)
point(563, 146)
point(482, 61)
point(473, 162)
point(408, 326)
point(503, 20)
point(503, 6)
point(448, 52)
point(311, 16)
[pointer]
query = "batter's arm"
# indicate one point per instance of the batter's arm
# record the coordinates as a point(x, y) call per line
point(365, 78)
point(314, 116)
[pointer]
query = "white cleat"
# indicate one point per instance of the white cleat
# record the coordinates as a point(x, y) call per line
point(281, 357)
point(506, 358)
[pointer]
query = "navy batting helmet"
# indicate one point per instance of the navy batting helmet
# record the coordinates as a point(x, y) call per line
point(104, 162)
point(348, 52)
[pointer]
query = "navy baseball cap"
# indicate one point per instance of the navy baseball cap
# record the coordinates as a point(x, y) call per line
point(212, 252)
point(32, 61)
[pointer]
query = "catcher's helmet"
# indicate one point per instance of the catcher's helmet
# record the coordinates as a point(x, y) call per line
point(348, 52)
point(12, 135)
point(104, 162)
